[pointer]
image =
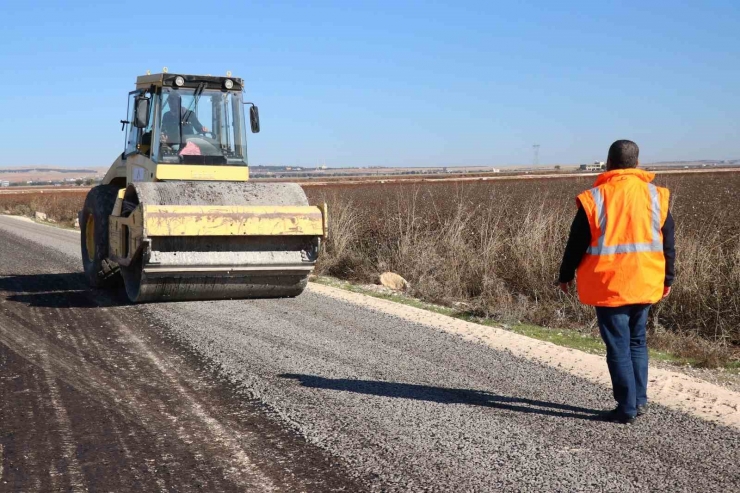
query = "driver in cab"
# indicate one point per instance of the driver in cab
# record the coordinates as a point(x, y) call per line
point(177, 114)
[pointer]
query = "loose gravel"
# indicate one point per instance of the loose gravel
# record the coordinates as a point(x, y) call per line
point(420, 409)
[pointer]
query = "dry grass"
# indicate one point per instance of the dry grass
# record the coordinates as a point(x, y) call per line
point(61, 207)
point(503, 265)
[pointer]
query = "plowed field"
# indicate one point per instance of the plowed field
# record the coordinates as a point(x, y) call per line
point(701, 201)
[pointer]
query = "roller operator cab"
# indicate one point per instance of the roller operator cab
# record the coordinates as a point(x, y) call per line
point(176, 219)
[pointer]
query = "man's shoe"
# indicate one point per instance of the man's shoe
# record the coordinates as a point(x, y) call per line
point(642, 410)
point(617, 416)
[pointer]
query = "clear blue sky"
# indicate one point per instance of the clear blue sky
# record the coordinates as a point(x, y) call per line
point(386, 83)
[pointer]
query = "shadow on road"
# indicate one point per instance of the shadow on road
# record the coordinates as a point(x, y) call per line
point(445, 395)
point(69, 289)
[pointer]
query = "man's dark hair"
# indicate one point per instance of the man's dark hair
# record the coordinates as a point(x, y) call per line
point(623, 154)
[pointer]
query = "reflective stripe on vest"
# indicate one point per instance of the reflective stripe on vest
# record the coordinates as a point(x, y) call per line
point(601, 249)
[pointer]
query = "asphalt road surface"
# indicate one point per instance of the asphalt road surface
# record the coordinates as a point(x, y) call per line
point(306, 394)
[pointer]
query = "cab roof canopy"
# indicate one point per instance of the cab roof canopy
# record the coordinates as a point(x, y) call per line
point(191, 81)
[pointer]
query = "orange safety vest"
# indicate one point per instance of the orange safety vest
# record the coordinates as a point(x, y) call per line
point(624, 264)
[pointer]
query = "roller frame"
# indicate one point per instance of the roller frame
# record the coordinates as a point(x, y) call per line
point(185, 229)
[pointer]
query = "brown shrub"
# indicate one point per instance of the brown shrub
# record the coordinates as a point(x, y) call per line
point(341, 257)
point(501, 258)
point(61, 207)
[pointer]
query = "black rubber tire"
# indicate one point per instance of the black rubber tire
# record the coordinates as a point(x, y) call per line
point(100, 271)
point(299, 287)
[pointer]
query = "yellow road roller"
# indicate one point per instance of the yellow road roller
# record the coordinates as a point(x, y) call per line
point(175, 217)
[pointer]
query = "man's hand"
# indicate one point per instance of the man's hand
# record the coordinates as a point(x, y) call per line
point(564, 286)
point(666, 292)
point(205, 129)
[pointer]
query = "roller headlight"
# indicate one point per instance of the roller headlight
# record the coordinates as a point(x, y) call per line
point(228, 83)
point(179, 81)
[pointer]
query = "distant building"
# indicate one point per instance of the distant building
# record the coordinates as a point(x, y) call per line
point(5, 183)
point(597, 166)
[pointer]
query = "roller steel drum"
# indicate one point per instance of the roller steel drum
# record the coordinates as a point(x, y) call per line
point(217, 267)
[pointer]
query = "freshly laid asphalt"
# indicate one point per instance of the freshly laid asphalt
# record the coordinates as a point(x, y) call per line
point(305, 394)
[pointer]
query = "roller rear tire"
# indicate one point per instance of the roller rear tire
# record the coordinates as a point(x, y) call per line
point(100, 271)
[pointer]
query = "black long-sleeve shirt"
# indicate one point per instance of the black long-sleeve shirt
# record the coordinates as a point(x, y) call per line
point(580, 239)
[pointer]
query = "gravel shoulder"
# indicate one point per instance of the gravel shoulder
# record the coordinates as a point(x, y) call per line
point(425, 409)
point(674, 389)
point(358, 393)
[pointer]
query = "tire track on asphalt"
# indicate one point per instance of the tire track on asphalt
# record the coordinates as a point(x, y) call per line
point(64, 466)
point(90, 357)
point(157, 448)
point(139, 483)
point(242, 468)
point(70, 468)
point(43, 386)
point(40, 481)
point(56, 363)
point(94, 357)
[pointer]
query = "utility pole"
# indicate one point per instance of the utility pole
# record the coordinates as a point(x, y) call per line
point(536, 158)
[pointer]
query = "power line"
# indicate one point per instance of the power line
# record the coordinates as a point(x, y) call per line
point(536, 158)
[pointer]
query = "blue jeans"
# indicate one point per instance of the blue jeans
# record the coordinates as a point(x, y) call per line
point(623, 331)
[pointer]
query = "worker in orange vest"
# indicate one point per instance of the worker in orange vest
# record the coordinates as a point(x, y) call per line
point(621, 247)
